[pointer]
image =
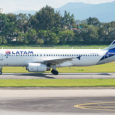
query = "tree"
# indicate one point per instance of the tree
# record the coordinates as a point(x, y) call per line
point(66, 36)
point(68, 20)
point(93, 21)
point(49, 37)
point(20, 37)
point(91, 35)
point(31, 36)
point(8, 26)
point(77, 37)
point(22, 21)
point(52, 38)
point(40, 41)
point(47, 26)
point(46, 19)
point(3, 40)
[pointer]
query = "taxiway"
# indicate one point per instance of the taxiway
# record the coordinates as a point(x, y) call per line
point(57, 101)
point(60, 76)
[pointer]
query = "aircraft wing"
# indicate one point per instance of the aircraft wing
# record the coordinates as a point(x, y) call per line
point(57, 61)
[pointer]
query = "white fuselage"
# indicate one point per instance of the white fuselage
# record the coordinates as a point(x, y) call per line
point(80, 57)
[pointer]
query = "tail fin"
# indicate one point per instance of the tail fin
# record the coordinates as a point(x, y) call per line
point(111, 46)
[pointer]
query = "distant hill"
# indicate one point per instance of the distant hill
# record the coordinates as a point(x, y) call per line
point(104, 12)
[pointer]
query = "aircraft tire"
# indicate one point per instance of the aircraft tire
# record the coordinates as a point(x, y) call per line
point(0, 73)
point(55, 72)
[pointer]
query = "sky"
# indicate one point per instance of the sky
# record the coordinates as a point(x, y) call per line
point(10, 6)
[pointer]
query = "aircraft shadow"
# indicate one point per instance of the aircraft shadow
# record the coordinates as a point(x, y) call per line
point(107, 74)
point(39, 75)
point(51, 76)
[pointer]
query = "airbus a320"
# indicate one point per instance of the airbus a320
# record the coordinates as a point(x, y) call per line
point(40, 60)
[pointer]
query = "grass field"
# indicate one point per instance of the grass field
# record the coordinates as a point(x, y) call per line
point(61, 82)
point(55, 47)
point(58, 83)
point(110, 68)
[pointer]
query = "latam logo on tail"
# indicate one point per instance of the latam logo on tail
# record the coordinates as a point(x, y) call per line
point(19, 52)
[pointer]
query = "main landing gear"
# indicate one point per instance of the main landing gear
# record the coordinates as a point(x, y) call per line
point(55, 72)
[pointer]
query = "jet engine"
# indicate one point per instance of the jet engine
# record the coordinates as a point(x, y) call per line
point(36, 67)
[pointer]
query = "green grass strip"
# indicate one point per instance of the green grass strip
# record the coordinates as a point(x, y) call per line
point(105, 68)
point(53, 47)
point(57, 83)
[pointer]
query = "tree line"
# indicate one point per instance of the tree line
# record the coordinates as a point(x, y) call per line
point(49, 27)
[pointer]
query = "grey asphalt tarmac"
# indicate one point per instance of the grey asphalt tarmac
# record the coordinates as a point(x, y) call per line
point(60, 76)
point(58, 101)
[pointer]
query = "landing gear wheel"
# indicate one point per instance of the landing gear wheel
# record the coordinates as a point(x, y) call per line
point(0, 73)
point(0, 70)
point(55, 72)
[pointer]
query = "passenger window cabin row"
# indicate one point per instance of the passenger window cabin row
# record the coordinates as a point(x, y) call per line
point(69, 55)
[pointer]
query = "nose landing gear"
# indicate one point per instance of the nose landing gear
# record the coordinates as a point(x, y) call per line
point(0, 70)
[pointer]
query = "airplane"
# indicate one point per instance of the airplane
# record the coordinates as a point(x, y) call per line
point(41, 60)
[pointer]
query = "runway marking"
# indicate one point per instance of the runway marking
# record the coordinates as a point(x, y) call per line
point(107, 106)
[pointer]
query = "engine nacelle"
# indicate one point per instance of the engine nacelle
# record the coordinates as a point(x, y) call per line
point(36, 67)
